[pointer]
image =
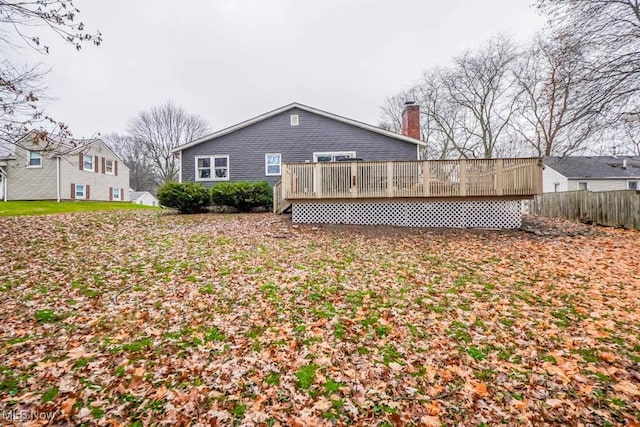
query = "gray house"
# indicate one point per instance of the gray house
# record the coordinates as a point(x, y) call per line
point(594, 173)
point(255, 149)
point(41, 169)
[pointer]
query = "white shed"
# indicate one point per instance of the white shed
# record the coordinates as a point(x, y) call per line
point(143, 198)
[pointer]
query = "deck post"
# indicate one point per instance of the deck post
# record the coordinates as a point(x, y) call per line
point(499, 177)
point(389, 179)
point(426, 185)
point(354, 177)
point(317, 185)
point(284, 182)
point(462, 176)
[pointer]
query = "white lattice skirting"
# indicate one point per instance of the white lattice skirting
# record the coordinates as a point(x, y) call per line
point(464, 214)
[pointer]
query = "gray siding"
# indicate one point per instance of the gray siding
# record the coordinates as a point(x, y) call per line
point(247, 147)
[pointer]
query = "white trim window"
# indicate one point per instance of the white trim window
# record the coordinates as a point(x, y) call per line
point(295, 120)
point(273, 164)
point(582, 185)
point(203, 168)
point(115, 193)
point(34, 160)
point(87, 163)
point(81, 191)
point(108, 166)
point(212, 168)
point(333, 156)
point(633, 185)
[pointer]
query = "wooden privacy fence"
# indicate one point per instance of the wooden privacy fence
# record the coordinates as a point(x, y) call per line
point(424, 179)
point(613, 208)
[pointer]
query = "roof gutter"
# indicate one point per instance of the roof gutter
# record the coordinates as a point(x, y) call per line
point(4, 184)
point(58, 177)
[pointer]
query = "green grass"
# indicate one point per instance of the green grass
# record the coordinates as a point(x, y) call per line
point(46, 207)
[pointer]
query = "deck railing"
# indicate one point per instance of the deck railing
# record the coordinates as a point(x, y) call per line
point(278, 200)
point(405, 179)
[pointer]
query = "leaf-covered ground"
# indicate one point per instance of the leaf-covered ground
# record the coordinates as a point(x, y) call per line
point(144, 318)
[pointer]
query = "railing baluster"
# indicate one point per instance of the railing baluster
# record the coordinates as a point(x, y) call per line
point(426, 178)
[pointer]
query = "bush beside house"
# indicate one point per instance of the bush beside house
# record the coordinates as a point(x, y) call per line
point(192, 197)
point(188, 197)
point(242, 195)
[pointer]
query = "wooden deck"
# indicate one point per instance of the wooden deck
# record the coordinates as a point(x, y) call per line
point(427, 179)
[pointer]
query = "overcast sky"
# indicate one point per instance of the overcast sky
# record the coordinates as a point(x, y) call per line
point(230, 60)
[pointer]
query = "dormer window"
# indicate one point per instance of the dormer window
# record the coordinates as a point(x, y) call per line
point(35, 159)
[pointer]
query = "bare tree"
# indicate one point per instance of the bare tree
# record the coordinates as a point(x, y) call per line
point(482, 83)
point(609, 30)
point(562, 110)
point(160, 130)
point(134, 154)
point(467, 107)
point(441, 117)
point(21, 88)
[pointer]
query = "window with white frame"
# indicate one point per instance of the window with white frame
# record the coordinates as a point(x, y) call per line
point(272, 164)
point(115, 193)
point(221, 168)
point(80, 191)
point(582, 186)
point(87, 163)
point(108, 166)
point(212, 168)
point(632, 185)
point(203, 168)
point(35, 159)
point(334, 156)
point(295, 120)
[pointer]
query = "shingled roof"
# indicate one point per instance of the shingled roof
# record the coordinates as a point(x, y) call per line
point(596, 167)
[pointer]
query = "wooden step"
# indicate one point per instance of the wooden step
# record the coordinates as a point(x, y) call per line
point(280, 209)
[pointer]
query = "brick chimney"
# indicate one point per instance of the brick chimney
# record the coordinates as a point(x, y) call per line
point(411, 120)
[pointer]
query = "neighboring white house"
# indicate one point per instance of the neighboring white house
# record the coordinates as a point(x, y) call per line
point(143, 198)
point(41, 169)
point(595, 173)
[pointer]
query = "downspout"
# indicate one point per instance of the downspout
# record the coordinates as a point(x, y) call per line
point(180, 168)
point(58, 177)
point(4, 184)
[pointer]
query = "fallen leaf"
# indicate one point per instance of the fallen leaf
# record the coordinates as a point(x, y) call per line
point(430, 421)
point(627, 388)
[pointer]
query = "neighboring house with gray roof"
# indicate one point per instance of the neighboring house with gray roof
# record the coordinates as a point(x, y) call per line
point(143, 198)
point(255, 149)
point(594, 173)
point(50, 170)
